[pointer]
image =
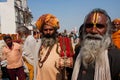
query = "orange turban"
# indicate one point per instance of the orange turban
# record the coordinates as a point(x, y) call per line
point(47, 19)
point(116, 20)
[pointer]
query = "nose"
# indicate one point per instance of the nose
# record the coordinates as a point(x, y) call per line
point(48, 31)
point(94, 29)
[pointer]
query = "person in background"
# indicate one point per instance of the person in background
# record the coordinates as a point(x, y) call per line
point(97, 59)
point(29, 53)
point(78, 45)
point(50, 63)
point(3, 63)
point(23, 32)
point(116, 32)
point(36, 35)
point(12, 53)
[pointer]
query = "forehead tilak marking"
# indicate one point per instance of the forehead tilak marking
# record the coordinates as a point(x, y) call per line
point(95, 17)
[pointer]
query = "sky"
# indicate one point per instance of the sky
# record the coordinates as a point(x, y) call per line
point(71, 13)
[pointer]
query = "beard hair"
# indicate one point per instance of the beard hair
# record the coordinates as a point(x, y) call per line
point(47, 42)
point(92, 47)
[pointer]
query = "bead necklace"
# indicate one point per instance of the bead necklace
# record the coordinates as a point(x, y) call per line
point(46, 56)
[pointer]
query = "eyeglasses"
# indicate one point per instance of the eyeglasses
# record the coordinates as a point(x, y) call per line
point(91, 25)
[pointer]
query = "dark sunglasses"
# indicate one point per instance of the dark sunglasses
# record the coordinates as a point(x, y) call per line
point(91, 25)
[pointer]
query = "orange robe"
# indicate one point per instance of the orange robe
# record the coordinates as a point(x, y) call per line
point(116, 39)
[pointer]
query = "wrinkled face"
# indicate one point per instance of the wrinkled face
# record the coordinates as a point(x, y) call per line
point(95, 39)
point(48, 31)
point(96, 24)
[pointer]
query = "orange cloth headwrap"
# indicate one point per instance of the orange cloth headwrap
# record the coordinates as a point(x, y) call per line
point(116, 20)
point(47, 19)
point(116, 38)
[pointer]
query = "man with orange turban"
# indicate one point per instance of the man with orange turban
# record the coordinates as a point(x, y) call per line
point(49, 53)
point(47, 19)
point(116, 32)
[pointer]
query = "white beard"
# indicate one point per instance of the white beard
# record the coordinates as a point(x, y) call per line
point(94, 52)
point(92, 47)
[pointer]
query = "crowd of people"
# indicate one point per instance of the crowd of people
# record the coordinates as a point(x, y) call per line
point(47, 54)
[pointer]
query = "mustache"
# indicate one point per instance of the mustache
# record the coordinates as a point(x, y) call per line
point(94, 37)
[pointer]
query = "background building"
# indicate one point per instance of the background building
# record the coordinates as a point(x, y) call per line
point(14, 13)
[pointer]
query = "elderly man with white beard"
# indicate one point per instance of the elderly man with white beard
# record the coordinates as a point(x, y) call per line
point(97, 59)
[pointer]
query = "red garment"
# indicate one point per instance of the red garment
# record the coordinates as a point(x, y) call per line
point(66, 47)
point(19, 72)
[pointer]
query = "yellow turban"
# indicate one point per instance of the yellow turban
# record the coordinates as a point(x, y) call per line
point(47, 19)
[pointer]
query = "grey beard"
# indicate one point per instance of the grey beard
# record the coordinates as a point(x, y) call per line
point(92, 48)
point(47, 42)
